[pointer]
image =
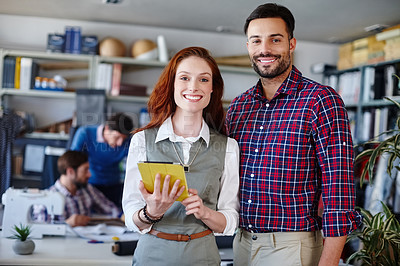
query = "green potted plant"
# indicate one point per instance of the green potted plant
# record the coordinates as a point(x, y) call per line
point(22, 245)
point(379, 237)
point(390, 146)
point(380, 233)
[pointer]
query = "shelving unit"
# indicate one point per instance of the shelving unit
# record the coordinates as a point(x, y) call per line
point(365, 103)
point(89, 63)
point(49, 104)
point(52, 57)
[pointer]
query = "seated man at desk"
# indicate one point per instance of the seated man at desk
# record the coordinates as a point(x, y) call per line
point(81, 198)
point(106, 145)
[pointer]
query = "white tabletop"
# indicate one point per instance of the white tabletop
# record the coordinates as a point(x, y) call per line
point(62, 251)
point(58, 251)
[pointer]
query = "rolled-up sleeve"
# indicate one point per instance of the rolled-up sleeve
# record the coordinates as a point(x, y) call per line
point(334, 148)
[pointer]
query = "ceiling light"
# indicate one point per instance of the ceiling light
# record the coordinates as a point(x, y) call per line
point(223, 29)
point(375, 28)
point(112, 1)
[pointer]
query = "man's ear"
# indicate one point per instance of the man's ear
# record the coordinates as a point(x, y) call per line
point(292, 44)
point(70, 171)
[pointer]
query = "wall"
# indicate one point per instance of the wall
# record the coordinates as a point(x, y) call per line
point(21, 32)
point(30, 33)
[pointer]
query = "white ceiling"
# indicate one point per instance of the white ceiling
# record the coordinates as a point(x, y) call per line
point(327, 21)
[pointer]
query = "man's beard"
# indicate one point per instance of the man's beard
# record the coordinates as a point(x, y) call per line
point(268, 72)
point(80, 185)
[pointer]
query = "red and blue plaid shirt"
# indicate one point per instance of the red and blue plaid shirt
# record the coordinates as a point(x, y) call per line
point(294, 148)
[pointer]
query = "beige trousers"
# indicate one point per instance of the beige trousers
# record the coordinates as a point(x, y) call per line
point(277, 249)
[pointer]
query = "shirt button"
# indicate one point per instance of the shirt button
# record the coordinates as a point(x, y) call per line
point(250, 226)
point(249, 201)
point(256, 150)
point(252, 175)
point(254, 237)
point(344, 143)
point(267, 105)
point(261, 127)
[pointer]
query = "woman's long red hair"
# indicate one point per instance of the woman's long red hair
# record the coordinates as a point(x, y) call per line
point(161, 103)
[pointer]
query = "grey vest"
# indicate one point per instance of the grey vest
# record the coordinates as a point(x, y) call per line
point(205, 175)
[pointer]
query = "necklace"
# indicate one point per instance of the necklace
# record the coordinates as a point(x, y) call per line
point(186, 167)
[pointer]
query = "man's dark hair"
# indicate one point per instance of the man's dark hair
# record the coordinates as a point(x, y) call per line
point(121, 123)
point(272, 10)
point(72, 159)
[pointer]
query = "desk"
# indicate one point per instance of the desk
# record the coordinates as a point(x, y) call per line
point(60, 251)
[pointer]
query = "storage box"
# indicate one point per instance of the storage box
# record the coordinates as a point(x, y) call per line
point(72, 40)
point(392, 49)
point(360, 52)
point(55, 43)
point(345, 56)
point(89, 44)
point(376, 52)
point(133, 90)
point(360, 44)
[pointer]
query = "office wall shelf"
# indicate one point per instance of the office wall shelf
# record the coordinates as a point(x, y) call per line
point(59, 62)
point(373, 82)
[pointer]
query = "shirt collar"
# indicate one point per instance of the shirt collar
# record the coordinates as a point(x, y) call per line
point(291, 83)
point(289, 86)
point(62, 189)
point(166, 131)
point(99, 134)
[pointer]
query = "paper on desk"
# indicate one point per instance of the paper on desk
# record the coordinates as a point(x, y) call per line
point(105, 233)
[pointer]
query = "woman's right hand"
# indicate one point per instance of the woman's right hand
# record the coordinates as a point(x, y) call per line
point(159, 202)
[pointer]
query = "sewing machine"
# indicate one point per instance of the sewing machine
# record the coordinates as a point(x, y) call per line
point(18, 210)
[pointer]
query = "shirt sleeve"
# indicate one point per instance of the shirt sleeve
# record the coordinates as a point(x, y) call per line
point(228, 119)
point(132, 199)
point(334, 149)
point(228, 201)
point(79, 139)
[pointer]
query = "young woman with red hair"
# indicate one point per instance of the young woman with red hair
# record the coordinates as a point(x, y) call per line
point(186, 127)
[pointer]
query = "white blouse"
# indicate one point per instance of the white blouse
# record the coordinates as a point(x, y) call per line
point(228, 201)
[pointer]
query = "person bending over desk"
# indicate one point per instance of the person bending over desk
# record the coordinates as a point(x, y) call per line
point(106, 145)
point(81, 198)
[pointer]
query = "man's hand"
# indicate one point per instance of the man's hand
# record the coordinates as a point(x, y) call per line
point(78, 220)
point(333, 247)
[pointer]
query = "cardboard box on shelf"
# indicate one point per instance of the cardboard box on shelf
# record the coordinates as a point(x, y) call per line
point(360, 57)
point(392, 49)
point(391, 38)
point(345, 56)
point(360, 44)
point(389, 33)
point(360, 51)
point(376, 52)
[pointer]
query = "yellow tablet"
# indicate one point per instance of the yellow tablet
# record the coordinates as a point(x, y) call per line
point(148, 170)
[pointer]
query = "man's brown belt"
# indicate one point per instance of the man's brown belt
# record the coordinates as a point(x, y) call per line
point(179, 237)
